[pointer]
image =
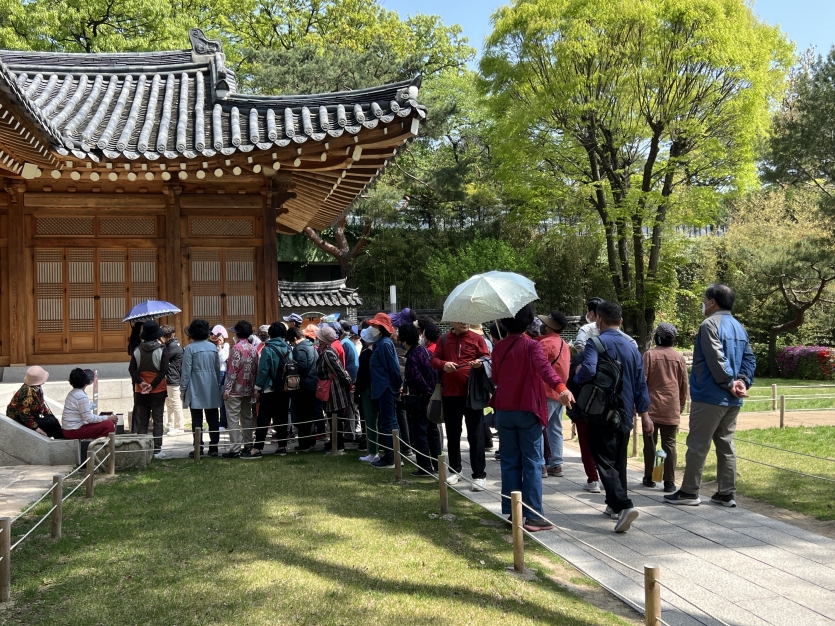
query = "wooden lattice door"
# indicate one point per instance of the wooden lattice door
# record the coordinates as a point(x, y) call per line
point(83, 294)
point(223, 287)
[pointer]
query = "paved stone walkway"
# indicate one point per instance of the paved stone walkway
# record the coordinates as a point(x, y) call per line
point(22, 484)
point(744, 568)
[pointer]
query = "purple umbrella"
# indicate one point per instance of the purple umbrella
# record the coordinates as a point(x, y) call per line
point(150, 310)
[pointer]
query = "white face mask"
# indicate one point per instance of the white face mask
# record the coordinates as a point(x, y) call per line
point(588, 319)
point(422, 341)
point(703, 308)
point(375, 332)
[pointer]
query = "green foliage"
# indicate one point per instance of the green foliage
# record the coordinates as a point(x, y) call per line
point(625, 108)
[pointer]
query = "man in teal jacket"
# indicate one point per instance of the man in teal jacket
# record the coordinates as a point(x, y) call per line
point(722, 373)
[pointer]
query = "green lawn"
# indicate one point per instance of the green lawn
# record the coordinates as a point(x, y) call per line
point(304, 539)
point(760, 394)
point(810, 496)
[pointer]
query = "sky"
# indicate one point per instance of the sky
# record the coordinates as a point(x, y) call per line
point(806, 22)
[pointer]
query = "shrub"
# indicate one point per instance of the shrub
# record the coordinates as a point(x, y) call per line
point(807, 362)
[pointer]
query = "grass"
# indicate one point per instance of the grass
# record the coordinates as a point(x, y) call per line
point(809, 496)
point(297, 540)
point(760, 394)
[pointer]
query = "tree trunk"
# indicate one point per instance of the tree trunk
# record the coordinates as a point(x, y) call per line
point(341, 251)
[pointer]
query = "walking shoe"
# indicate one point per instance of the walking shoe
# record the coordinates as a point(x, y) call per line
point(213, 453)
point(231, 455)
point(669, 487)
point(497, 456)
point(174, 431)
point(362, 445)
point(251, 454)
point(593, 486)
point(422, 474)
point(625, 519)
point(369, 458)
point(679, 497)
point(533, 525)
point(381, 464)
point(281, 452)
point(555, 471)
point(452, 479)
point(610, 513)
point(222, 429)
point(159, 455)
point(544, 471)
point(728, 500)
point(479, 484)
point(339, 452)
point(648, 482)
point(202, 453)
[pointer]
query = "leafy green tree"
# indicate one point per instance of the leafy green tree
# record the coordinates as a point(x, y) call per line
point(644, 111)
point(780, 254)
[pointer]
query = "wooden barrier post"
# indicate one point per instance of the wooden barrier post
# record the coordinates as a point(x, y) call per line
point(442, 484)
point(518, 537)
point(782, 411)
point(652, 594)
point(5, 555)
point(58, 503)
point(111, 450)
point(198, 443)
point(334, 427)
point(774, 397)
point(398, 462)
point(91, 464)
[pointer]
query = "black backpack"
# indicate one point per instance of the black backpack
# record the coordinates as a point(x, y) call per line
point(288, 373)
point(599, 400)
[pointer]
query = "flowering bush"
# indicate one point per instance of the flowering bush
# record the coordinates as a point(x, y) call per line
point(807, 362)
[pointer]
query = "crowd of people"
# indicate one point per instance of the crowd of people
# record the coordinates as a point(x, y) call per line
point(384, 373)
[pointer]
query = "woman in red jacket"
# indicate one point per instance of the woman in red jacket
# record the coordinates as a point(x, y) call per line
point(519, 364)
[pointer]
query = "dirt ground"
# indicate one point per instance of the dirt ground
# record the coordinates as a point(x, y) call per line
point(771, 419)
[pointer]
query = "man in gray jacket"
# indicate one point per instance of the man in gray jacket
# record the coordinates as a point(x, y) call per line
point(722, 373)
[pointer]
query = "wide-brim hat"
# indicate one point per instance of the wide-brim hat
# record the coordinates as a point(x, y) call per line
point(220, 330)
point(293, 317)
point(310, 331)
point(383, 321)
point(150, 331)
point(366, 335)
point(326, 334)
point(35, 375)
point(402, 318)
point(551, 323)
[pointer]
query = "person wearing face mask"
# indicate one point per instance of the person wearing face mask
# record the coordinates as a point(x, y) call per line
point(456, 354)
point(589, 330)
point(722, 372)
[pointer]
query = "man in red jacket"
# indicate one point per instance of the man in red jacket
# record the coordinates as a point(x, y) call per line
point(456, 354)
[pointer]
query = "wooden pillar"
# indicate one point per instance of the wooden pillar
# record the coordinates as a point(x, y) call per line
point(275, 195)
point(17, 273)
point(173, 255)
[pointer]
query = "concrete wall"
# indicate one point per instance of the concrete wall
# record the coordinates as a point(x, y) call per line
point(22, 446)
point(115, 395)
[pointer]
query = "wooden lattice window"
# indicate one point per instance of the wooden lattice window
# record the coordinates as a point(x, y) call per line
point(143, 276)
point(222, 227)
point(49, 290)
point(240, 285)
point(127, 226)
point(206, 285)
point(223, 285)
point(82, 290)
point(112, 289)
point(64, 226)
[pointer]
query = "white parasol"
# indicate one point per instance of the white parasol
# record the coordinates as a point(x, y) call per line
point(489, 296)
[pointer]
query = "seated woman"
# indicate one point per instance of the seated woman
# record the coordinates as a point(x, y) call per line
point(28, 407)
point(78, 421)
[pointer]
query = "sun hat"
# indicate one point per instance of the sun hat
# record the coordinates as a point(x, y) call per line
point(310, 331)
point(402, 318)
point(220, 330)
point(326, 334)
point(552, 323)
point(382, 320)
point(150, 331)
point(666, 330)
point(366, 335)
point(35, 375)
point(337, 328)
point(293, 317)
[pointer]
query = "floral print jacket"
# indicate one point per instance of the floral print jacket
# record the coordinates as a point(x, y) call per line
point(241, 370)
point(28, 403)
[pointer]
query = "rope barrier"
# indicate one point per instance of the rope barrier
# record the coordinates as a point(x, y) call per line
point(678, 595)
point(102, 462)
point(31, 530)
point(765, 445)
point(34, 504)
point(77, 487)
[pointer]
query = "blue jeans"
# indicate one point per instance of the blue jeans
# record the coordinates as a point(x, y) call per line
point(555, 411)
point(387, 422)
point(520, 438)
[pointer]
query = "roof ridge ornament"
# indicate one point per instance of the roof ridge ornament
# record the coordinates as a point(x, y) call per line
point(202, 44)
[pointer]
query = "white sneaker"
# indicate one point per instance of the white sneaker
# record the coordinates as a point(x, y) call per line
point(452, 479)
point(592, 487)
point(611, 513)
point(160, 456)
point(369, 458)
point(175, 431)
point(222, 429)
point(479, 484)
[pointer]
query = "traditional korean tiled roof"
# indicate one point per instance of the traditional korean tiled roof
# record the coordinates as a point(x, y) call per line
point(180, 104)
point(332, 293)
